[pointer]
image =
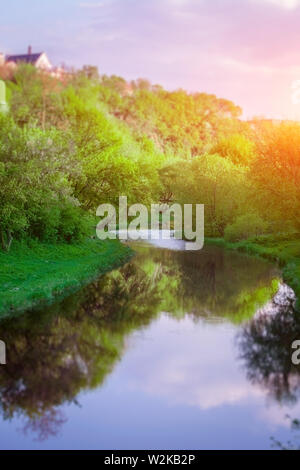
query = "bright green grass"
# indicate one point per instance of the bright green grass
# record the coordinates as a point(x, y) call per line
point(36, 274)
point(281, 249)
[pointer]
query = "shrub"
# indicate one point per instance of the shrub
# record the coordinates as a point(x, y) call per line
point(245, 226)
point(74, 224)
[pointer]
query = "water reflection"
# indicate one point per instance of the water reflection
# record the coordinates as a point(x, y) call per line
point(75, 345)
point(264, 346)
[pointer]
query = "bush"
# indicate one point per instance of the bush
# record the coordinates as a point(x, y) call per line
point(74, 224)
point(245, 226)
point(35, 189)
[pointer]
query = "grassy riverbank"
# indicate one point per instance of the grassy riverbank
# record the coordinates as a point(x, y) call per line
point(35, 274)
point(282, 249)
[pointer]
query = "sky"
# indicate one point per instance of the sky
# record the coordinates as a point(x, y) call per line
point(247, 51)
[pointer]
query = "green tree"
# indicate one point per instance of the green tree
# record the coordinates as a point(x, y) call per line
point(275, 173)
point(36, 195)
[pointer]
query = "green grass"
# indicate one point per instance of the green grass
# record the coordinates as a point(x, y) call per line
point(35, 274)
point(282, 249)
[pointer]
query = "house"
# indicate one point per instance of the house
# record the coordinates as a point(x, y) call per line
point(38, 60)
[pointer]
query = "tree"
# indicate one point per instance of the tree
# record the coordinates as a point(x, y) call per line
point(36, 97)
point(275, 173)
point(36, 196)
point(215, 182)
point(236, 147)
point(112, 161)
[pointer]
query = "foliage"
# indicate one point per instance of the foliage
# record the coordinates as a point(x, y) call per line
point(35, 97)
point(213, 181)
point(71, 144)
point(245, 226)
point(236, 147)
point(275, 173)
point(112, 161)
point(35, 191)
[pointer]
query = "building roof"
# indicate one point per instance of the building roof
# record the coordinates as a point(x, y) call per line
point(27, 58)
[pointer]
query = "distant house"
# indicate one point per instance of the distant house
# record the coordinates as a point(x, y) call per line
point(38, 60)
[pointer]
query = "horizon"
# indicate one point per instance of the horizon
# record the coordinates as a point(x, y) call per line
point(228, 48)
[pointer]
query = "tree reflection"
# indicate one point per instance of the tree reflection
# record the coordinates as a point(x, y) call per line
point(265, 347)
point(292, 444)
point(74, 345)
point(45, 425)
point(215, 282)
point(52, 355)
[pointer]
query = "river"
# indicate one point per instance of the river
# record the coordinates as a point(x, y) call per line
point(174, 350)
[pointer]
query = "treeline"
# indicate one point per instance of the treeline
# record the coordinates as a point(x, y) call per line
point(68, 145)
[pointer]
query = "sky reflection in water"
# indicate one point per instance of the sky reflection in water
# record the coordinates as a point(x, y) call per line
point(162, 353)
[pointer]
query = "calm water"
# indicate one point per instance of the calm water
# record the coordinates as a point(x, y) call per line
point(171, 351)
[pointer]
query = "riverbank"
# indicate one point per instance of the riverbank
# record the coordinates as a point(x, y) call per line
point(281, 249)
point(35, 274)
